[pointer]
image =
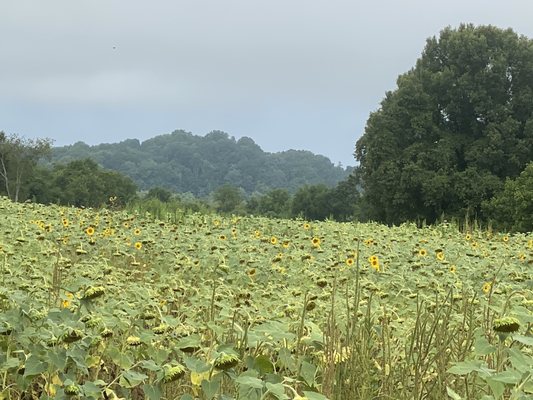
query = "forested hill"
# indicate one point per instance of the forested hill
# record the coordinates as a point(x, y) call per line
point(184, 162)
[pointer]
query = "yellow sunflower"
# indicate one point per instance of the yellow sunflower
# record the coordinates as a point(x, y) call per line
point(486, 287)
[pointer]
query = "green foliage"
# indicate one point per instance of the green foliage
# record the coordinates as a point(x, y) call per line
point(18, 158)
point(228, 199)
point(275, 204)
point(84, 183)
point(512, 208)
point(182, 162)
point(225, 307)
point(159, 193)
point(459, 123)
point(312, 202)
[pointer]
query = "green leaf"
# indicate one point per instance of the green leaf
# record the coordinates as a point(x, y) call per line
point(250, 381)
point(91, 390)
point(10, 363)
point(482, 347)
point(186, 397)
point(210, 388)
point(130, 379)
point(58, 358)
point(520, 360)
point(497, 387)
point(278, 390)
point(315, 396)
point(263, 365)
point(509, 377)
point(307, 372)
point(452, 394)
point(287, 360)
point(527, 340)
point(34, 366)
point(150, 365)
point(153, 392)
point(466, 367)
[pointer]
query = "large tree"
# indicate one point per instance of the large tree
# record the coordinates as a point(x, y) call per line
point(457, 125)
point(18, 158)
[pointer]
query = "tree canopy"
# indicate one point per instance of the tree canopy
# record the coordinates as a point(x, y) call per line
point(458, 124)
point(183, 162)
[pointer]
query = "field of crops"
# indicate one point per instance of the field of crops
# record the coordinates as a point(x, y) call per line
point(104, 304)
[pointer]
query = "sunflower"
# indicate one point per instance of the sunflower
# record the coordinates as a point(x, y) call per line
point(349, 262)
point(89, 231)
point(422, 252)
point(505, 238)
point(285, 244)
point(453, 269)
point(137, 232)
point(316, 242)
point(375, 264)
point(138, 245)
point(222, 237)
point(307, 226)
point(274, 240)
point(486, 287)
point(257, 234)
point(65, 222)
point(468, 236)
point(440, 255)
point(506, 324)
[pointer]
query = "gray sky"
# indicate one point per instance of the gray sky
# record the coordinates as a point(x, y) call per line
point(287, 73)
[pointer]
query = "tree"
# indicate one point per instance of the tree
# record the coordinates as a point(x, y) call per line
point(312, 202)
point(344, 199)
point(18, 158)
point(512, 208)
point(227, 198)
point(458, 124)
point(84, 183)
point(162, 194)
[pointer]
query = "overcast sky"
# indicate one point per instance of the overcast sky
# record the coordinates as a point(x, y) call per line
point(287, 73)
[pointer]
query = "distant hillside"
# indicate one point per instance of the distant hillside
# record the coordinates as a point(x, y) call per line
point(184, 162)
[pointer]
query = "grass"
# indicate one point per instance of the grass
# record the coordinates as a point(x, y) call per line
point(212, 307)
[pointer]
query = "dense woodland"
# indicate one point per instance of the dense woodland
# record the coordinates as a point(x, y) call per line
point(454, 140)
point(182, 162)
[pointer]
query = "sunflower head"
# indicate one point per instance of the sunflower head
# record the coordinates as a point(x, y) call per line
point(506, 325)
point(173, 372)
point(226, 361)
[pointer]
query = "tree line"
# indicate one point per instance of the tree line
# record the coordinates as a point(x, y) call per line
point(182, 162)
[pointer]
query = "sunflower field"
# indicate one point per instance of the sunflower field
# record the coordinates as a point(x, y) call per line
point(101, 304)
